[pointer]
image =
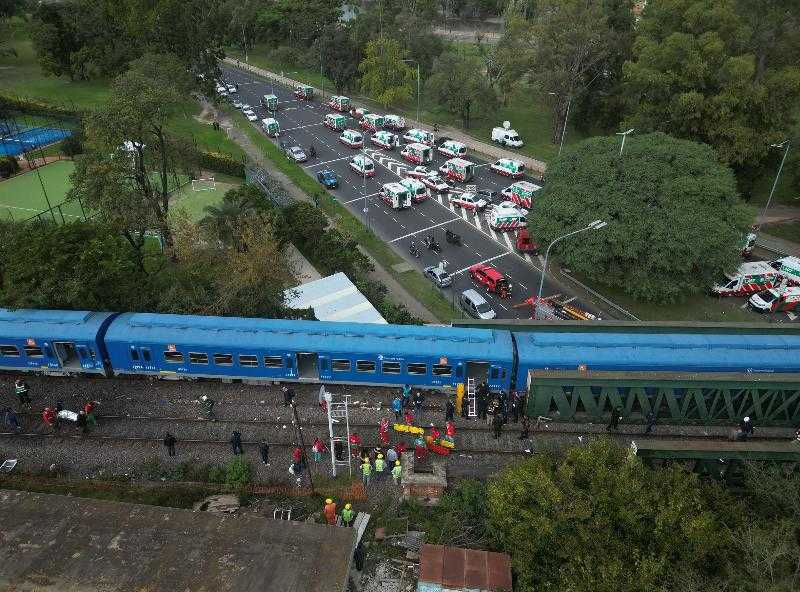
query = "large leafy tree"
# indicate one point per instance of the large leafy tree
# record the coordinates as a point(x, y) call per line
point(384, 75)
point(8, 9)
point(339, 57)
point(673, 211)
point(599, 521)
point(457, 84)
point(724, 72)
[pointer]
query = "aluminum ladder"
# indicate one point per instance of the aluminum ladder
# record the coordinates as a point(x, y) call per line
point(339, 430)
point(472, 402)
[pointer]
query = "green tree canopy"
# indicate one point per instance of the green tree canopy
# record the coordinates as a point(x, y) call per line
point(599, 521)
point(673, 211)
point(384, 75)
point(458, 85)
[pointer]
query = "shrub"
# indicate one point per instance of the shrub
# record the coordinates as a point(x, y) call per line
point(8, 166)
point(221, 163)
point(216, 474)
point(285, 55)
point(72, 145)
point(238, 473)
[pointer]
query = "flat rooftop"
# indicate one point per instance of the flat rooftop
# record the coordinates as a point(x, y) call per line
point(56, 543)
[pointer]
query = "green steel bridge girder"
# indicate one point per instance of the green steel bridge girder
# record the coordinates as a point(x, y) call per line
point(770, 399)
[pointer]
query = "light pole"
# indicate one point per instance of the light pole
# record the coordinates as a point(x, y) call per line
point(596, 225)
point(418, 85)
point(566, 118)
point(624, 135)
point(777, 177)
point(364, 186)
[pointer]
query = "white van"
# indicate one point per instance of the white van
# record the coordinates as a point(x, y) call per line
point(419, 136)
point(475, 305)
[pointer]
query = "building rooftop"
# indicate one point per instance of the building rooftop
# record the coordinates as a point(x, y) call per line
point(456, 568)
point(334, 298)
point(66, 544)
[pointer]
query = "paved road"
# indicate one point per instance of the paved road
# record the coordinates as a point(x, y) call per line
point(301, 124)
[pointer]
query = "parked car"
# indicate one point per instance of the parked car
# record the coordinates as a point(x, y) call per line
point(438, 275)
point(245, 107)
point(232, 88)
point(418, 172)
point(488, 194)
point(297, 154)
point(475, 305)
point(328, 179)
point(468, 201)
point(250, 114)
point(237, 103)
point(435, 183)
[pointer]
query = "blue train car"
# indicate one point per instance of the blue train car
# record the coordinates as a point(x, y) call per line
point(261, 349)
point(58, 341)
point(662, 352)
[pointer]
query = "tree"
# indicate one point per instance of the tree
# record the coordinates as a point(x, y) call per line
point(674, 214)
point(54, 38)
point(384, 75)
point(724, 73)
point(458, 85)
point(339, 57)
point(8, 10)
point(227, 219)
point(599, 521)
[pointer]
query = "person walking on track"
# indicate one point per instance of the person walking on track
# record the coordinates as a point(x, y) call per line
point(169, 442)
point(21, 390)
point(613, 424)
point(397, 407)
point(236, 443)
point(263, 449)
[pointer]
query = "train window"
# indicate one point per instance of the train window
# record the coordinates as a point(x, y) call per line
point(173, 357)
point(9, 350)
point(493, 374)
point(340, 365)
point(442, 370)
point(459, 371)
point(417, 368)
point(390, 367)
point(134, 354)
point(365, 366)
point(273, 361)
point(198, 358)
point(33, 351)
point(146, 354)
point(248, 360)
point(223, 359)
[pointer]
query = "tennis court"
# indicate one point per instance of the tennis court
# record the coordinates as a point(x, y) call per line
point(22, 197)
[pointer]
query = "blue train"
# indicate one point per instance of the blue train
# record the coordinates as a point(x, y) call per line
point(183, 346)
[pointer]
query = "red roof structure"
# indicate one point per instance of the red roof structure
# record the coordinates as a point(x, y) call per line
point(455, 568)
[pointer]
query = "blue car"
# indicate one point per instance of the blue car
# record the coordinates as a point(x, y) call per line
point(328, 178)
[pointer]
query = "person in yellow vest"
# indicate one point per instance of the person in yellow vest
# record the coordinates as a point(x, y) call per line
point(396, 470)
point(348, 515)
point(366, 471)
point(380, 465)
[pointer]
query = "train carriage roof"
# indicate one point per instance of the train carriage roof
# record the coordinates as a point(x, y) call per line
point(692, 352)
point(51, 324)
point(310, 336)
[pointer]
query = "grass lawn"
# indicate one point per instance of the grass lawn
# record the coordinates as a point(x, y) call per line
point(192, 202)
point(22, 197)
point(786, 230)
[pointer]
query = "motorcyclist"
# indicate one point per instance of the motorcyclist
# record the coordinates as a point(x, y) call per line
point(312, 151)
point(412, 248)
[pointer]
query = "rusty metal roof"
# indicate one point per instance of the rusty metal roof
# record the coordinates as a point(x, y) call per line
point(456, 568)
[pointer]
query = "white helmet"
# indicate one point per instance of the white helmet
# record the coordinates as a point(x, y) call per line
point(747, 418)
point(204, 398)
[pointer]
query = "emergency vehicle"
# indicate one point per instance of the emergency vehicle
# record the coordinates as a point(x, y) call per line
point(435, 183)
point(747, 244)
point(363, 165)
point(750, 278)
point(452, 148)
point(269, 102)
point(491, 279)
point(359, 112)
point(509, 168)
point(506, 216)
point(352, 138)
point(418, 191)
point(458, 169)
point(395, 122)
point(525, 244)
point(335, 122)
point(419, 136)
point(779, 299)
point(417, 153)
point(304, 92)
point(270, 127)
point(468, 201)
point(396, 195)
point(521, 193)
point(338, 103)
point(372, 122)
point(789, 268)
point(385, 139)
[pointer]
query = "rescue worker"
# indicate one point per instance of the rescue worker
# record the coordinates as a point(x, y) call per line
point(526, 428)
point(380, 464)
point(450, 431)
point(409, 417)
point(317, 448)
point(651, 421)
point(169, 442)
point(397, 407)
point(81, 422)
point(383, 431)
point(497, 424)
point(88, 407)
point(322, 403)
point(746, 428)
point(419, 399)
point(49, 417)
point(288, 395)
point(514, 409)
point(366, 472)
point(208, 404)
point(435, 433)
point(236, 443)
point(11, 419)
point(355, 443)
point(348, 515)
point(406, 395)
point(616, 415)
point(21, 390)
point(297, 455)
point(338, 450)
point(391, 456)
point(396, 471)
point(330, 511)
point(263, 449)
point(449, 410)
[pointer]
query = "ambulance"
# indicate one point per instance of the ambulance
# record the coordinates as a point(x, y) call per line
point(394, 122)
point(385, 139)
point(419, 136)
point(269, 102)
point(270, 127)
point(338, 103)
point(506, 217)
point(521, 193)
point(781, 299)
point(458, 169)
point(352, 138)
point(304, 92)
point(789, 268)
point(750, 278)
point(509, 168)
point(417, 153)
point(371, 122)
point(452, 148)
point(335, 122)
point(359, 112)
point(417, 189)
point(396, 195)
point(363, 165)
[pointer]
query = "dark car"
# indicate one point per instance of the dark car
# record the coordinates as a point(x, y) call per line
point(328, 179)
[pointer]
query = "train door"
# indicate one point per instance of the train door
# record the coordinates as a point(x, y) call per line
point(67, 354)
point(307, 366)
point(324, 368)
point(478, 371)
point(497, 378)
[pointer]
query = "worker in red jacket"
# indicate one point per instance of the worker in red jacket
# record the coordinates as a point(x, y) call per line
point(383, 431)
point(50, 418)
point(355, 444)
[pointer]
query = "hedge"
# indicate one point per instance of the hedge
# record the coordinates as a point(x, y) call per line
point(221, 163)
point(37, 107)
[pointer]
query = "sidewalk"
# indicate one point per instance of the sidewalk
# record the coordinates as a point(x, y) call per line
point(490, 150)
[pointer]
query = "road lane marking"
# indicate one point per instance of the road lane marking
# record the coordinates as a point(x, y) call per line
point(394, 240)
point(490, 259)
point(299, 127)
point(311, 166)
point(361, 197)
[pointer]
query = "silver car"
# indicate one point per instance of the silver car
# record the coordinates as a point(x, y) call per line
point(297, 154)
point(438, 276)
point(475, 305)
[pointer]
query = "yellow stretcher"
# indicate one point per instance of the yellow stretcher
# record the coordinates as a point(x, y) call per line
point(401, 427)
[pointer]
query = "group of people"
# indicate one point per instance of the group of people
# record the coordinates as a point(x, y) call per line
point(83, 419)
point(329, 511)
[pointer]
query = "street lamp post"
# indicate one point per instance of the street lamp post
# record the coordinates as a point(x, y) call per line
point(777, 177)
point(596, 225)
point(364, 187)
point(624, 135)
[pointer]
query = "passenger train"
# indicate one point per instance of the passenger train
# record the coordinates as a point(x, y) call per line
point(184, 346)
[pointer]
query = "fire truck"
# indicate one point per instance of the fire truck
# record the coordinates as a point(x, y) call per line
point(491, 279)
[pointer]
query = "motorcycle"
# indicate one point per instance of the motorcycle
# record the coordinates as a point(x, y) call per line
point(452, 237)
point(432, 244)
point(312, 152)
point(412, 250)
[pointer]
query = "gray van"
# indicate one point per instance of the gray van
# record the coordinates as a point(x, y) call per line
point(475, 305)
